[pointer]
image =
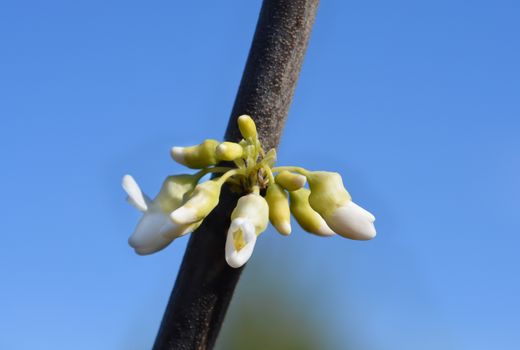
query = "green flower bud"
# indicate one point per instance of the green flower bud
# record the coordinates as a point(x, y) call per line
point(308, 219)
point(290, 181)
point(199, 204)
point(198, 156)
point(247, 127)
point(229, 151)
point(327, 192)
point(279, 212)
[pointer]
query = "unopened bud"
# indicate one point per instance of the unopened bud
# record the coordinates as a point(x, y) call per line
point(198, 156)
point(200, 203)
point(308, 219)
point(290, 181)
point(279, 212)
point(327, 192)
point(229, 151)
point(332, 201)
point(247, 127)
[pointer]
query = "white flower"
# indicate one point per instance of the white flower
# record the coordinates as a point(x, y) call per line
point(352, 221)
point(249, 218)
point(155, 229)
point(240, 242)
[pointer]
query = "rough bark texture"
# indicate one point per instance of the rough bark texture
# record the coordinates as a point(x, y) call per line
point(205, 283)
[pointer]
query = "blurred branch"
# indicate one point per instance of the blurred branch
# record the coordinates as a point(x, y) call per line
point(205, 282)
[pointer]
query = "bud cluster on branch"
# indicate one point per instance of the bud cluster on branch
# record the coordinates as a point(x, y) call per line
point(325, 208)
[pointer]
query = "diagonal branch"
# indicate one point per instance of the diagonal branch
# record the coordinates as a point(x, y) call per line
point(205, 282)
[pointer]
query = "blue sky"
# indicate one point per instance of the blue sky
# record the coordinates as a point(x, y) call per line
point(414, 103)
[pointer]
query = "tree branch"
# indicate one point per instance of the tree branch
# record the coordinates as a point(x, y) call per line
point(205, 282)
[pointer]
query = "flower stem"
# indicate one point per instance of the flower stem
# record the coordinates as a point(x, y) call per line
point(222, 179)
point(201, 173)
point(270, 174)
point(294, 169)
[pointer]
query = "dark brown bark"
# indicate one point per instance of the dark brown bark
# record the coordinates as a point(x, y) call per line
point(205, 283)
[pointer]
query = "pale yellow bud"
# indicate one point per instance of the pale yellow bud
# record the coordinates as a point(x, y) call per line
point(247, 127)
point(198, 156)
point(200, 203)
point(279, 212)
point(290, 181)
point(332, 201)
point(327, 192)
point(308, 219)
point(229, 151)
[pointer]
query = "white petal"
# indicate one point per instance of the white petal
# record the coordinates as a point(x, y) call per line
point(324, 230)
point(254, 208)
point(184, 215)
point(189, 228)
point(299, 180)
point(236, 258)
point(353, 222)
point(154, 232)
point(368, 214)
point(177, 154)
point(284, 228)
point(135, 196)
point(222, 148)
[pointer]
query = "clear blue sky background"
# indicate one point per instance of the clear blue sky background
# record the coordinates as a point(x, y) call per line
point(416, 103)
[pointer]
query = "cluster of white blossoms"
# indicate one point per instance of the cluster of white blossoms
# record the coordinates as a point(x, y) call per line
point(270, 193)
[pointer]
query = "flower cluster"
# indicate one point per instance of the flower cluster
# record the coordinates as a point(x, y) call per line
point(270, 193)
